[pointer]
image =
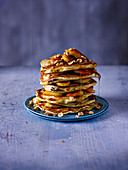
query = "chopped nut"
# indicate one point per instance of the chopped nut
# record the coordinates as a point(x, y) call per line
point(57, 64)
point(56, 56)
point(80, 114)
point(31, 102)
point(99, 104)
point(61, 63)
point(82, 56)
point(56, 61)
point(60, 115)
point(79, 60)
point(71, 62)
point(75, 61)
point(98, 107)
point(90, 112)
point(36, 108)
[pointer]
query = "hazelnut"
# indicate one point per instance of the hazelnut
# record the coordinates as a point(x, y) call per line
point(80, 114)
point(31, 102)
point(90, 112)
point(60, 115)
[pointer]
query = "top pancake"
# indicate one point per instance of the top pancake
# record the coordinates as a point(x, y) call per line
point(72, 59)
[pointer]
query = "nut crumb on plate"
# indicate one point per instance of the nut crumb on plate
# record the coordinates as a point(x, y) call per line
point(90, 112)
point(80, 114)
point(60, 115)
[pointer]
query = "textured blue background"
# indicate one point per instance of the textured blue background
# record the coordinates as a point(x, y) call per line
point(31, 30)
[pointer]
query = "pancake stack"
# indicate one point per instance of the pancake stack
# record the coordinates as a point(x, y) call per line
point(68, 82)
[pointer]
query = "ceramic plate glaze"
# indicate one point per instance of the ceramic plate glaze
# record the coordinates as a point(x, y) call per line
point(70, 117)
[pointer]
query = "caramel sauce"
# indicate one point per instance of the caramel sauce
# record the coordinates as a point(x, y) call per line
point(98, 86)
point(80, 90)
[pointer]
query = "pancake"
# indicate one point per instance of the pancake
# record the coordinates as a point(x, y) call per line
point(38, 100)
point(63, 110)
point(57, 81)
point(70, 88)
point(63, 68)
point(51, 78)
point(62, 93)
point(63, 99)
point(72, 59)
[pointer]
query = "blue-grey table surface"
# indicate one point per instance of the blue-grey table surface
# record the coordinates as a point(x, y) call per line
point(29, 142)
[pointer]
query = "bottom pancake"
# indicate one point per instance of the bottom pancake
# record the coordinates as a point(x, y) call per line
point(63, 110)
point(54, 109)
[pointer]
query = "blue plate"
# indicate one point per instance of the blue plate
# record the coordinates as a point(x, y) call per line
point(69, 117)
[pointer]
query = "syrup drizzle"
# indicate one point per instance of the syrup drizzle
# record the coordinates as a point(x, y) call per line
point(98, 86)
point(80, 89)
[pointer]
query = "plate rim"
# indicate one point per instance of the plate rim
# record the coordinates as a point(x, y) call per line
point(62, 119)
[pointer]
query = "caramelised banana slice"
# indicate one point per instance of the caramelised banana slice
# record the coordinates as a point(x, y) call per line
point(67, 57)
point(74, 52)
point(63, 83)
